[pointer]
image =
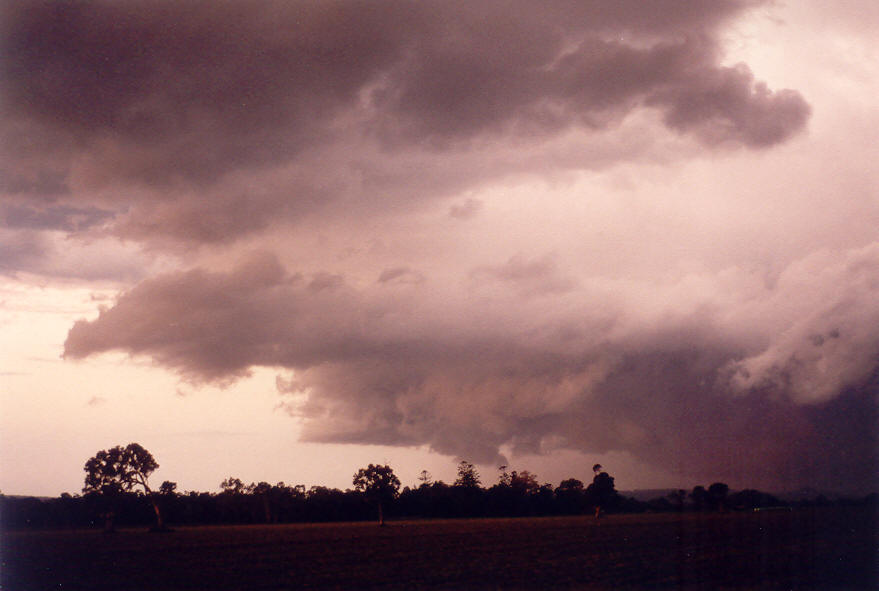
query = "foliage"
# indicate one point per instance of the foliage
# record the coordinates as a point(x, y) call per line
point(379, 485)
point(699, 497)
point(571, 497)
point(377, 482)
point(717, 494)
point(232, 486)
point(117, 470)
point(468, 477)
point(117, 489)
point(291, 504)
point(602, 494)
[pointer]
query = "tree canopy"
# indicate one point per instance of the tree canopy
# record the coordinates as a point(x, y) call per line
point(468, 477)
point(121, 469)
point(379, 484)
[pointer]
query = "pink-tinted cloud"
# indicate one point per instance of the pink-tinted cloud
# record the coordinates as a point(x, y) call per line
point(338, 138)
point(401, 275)
point(586, 369)
point(175, 118)
point(528, 277)
point(829, 342)
point(465, 210)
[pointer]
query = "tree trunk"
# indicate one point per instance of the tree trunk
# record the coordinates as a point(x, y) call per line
point(160, 522)
point(267, 508)
point(109, 525)
point(381, 515)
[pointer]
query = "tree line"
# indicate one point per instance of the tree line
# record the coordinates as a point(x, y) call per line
point(117, 492)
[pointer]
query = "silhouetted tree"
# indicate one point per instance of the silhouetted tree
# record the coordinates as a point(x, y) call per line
point(717, 494)
point(167, 498)
point(117, 470)
point(331, 504)
point(699, 496)
point(751, 499)
point(232, 502)
point(601, 493)
point(425, 479)
point(570, 496)
point(468, 477)
point(517, 493)
point(232, 486)
point(466, 495)
point(676, 498)
point(262, 492)
point(524, 482)
point(437, 499)
point(379, 484)
point(543, 501)
point(288, 502)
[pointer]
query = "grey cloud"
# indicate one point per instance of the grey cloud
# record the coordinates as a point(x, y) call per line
point(830, 346)
point(44, 183)
point(21, 250)
point(205, 80)
point(448, 96)
point(401, 275)
point(725, 104)
point(182, 114)
point(325, 281)
point(215, 326)
point(466, 210)
point(534, 276)
point(53, 217)
point(589, 369)
point(666, 407)
point(51, 253)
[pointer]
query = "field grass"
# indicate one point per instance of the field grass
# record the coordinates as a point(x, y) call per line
point(828, 548)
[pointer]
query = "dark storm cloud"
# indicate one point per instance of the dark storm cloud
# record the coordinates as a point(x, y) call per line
point(727, 391)
point(194, 103)
point(206, 123)
point(21, 250)
point(210, 81)
point(726, 104)
point(45, 182)
point(52, 217)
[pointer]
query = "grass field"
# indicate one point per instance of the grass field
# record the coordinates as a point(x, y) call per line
point(828, 548)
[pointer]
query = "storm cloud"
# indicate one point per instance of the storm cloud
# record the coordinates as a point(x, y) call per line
point(723, 379)
point(478, 227)
point(167, 114)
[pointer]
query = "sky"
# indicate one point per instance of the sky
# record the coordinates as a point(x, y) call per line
point(282, 240)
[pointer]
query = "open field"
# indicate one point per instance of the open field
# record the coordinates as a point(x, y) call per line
point(829, 548)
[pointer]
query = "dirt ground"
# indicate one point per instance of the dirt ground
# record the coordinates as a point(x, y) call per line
point(828, 548)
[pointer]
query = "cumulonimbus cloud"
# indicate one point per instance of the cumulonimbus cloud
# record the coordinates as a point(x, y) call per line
point(200, 123)
point(686, 381)
point(174, 118)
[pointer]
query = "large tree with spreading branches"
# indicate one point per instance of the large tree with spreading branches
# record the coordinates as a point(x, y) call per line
point(121, 469)
point(379, 484)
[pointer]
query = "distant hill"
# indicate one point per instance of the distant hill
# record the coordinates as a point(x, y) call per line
point(791, 496)
point(810, 494)
point(29, 497)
